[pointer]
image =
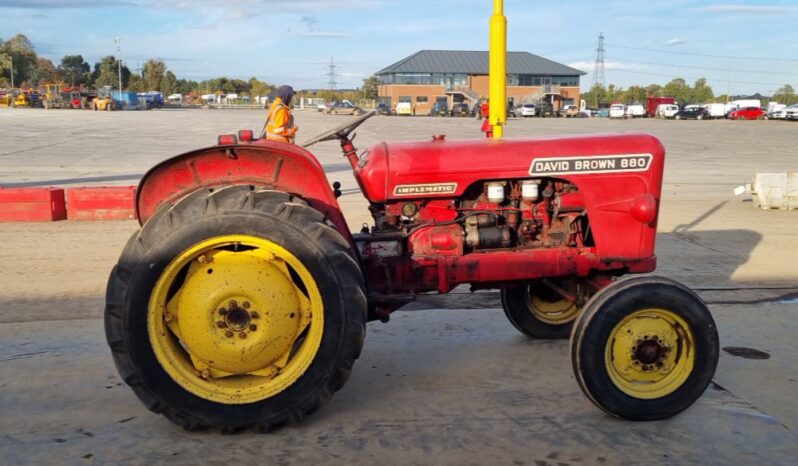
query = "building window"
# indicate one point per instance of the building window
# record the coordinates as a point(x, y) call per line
point(412, 78)
point(436, 79)
point(534, 80)
point(422, 99)
point(404, 99)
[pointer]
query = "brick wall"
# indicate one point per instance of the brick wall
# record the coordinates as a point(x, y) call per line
point(394, 91)
point(478, 84)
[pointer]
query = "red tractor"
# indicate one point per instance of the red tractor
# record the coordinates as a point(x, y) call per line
point(243, 300)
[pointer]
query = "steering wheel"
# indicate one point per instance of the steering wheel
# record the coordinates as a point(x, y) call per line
point(340, 131)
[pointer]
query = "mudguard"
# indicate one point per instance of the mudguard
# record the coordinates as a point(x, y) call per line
point(264, 164)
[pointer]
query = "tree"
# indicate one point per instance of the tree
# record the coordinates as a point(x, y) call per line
point(136, 83)
point(17, 51)
point(75, 70)
point(702, 92)
point(259, 88)
point(653, 90)
point(5, 68)
point(613, 94)
point(635, 95)
point(370, 87)
point(185, 86)
point(44, 72)
point(595, 96)
point(238, 86)
point(106, 73)
point(785, 95)
point(678, 89)
point(153, 74)
point(169, 83)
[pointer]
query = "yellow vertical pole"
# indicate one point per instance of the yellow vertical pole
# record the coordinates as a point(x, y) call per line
point(498, 69)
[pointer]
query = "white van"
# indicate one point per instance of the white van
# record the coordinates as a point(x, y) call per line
point(742, 103)
point(404, 108)
point(666, 110)
point(636, 111)
point(618, 111)
point(716, 110)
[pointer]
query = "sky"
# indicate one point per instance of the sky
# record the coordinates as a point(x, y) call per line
point(742, 48)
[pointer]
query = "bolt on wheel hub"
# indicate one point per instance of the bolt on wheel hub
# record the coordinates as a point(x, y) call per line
point(236, 318)
point(648, 352)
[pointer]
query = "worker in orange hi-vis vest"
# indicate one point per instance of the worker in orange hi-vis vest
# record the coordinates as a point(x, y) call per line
point(280, 122)
point(487, 128)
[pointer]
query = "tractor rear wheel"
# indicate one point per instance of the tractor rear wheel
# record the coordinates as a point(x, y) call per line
point(236, 308)
point(539, 311)
point(644, 349)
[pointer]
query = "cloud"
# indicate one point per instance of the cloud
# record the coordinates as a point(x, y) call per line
point(309, 21)
point(750, 9)
point(313, 30)
point(675, 41)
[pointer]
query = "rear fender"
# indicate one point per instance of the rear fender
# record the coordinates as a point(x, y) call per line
point(264, 164)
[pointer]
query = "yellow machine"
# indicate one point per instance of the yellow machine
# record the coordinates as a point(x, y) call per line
point(21, 99)
point(14, 98)
point(103, 101)
point(52, 97)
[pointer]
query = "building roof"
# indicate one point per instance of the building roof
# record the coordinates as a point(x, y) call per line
point(475, 62)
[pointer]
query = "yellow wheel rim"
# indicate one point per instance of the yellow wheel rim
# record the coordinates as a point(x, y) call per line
point(650, 353)
point(235, 319)
point(547, 306)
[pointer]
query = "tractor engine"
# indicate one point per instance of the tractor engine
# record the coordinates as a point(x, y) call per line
point(539, 213)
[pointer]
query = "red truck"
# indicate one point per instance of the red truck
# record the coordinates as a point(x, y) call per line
point(653, 102)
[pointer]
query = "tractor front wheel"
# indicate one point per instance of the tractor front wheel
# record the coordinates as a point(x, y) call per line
point(236, 308)
point(644, 349)
point(540, 311)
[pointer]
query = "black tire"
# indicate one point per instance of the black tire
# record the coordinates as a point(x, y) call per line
point(522, 313)
point(609, 307)
point(279, 217)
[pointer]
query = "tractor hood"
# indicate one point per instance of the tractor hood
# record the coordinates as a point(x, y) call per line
point(445, 169)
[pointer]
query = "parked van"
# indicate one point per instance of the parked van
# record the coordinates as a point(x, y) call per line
point(618, 111)
point(667, 110)
point(404, 108)
point(742, 103)
point(636, 111)
point(716, 110)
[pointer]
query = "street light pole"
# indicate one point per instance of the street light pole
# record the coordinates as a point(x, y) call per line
point(498, 69)
point(11, 61)
point(118, 41)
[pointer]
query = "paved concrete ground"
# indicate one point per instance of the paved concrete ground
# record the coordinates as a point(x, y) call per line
point(441, 385)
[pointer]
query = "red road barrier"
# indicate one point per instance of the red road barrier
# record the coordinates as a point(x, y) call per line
point(101, 203)
point(32, 204)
